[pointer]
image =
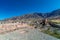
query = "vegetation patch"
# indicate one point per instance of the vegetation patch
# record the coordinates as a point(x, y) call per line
point(56, 21)
point(55, 34)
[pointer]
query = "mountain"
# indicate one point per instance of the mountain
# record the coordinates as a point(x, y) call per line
point(52, 15)
point(27, 16)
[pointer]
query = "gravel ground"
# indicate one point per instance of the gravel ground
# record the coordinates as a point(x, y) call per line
point(26, 34)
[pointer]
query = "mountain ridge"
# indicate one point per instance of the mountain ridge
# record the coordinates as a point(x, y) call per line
point(52, 15)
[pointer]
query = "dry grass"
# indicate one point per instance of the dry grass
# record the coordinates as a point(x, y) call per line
point(56, 21)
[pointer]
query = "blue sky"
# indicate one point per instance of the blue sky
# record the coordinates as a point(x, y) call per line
point(10, 8)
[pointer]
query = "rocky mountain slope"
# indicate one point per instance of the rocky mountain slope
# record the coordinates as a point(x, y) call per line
point(27, 16)
point(52, 15)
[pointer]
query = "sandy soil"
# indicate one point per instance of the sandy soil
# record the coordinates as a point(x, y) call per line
point(4, 28)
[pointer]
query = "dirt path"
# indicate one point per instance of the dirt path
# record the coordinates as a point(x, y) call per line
point(26, 34)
